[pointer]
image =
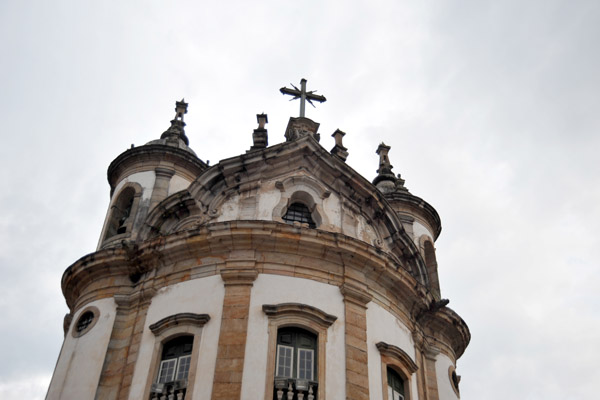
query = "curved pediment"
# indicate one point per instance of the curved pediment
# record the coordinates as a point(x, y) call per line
point(263, 184)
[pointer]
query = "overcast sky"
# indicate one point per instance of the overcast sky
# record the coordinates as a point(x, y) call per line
point(492, 110)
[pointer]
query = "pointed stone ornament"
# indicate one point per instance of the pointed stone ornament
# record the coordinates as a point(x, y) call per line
point(385, 179)
point(339, 149)
point(176, 131)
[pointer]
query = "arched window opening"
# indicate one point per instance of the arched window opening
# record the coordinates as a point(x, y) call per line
point(430, 255)
point(431, 265)
point(121, 213)
point(296, 367)
point(298, 212)
point(174, 367)
point(395, 385)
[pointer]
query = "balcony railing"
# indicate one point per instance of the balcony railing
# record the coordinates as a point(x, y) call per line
point(295, 389)
point(168, 391)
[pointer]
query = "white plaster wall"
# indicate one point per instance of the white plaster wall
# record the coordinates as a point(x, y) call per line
point(275, 289)
point(420, 230)
point(384, 327)
point(267, 201)
point(145, 179)
point(442, 364)
point(177, 183)
point(230, 209)
point(332, 210)
point(79, 365)
point(200, 296)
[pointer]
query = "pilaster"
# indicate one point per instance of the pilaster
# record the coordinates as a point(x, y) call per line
point(161, 185)
point(355, 332)
point(238, 280)
point(124, 344)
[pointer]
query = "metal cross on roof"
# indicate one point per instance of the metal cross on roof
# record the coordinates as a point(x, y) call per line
point(303, 95)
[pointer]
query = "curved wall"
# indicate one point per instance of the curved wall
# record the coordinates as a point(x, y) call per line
point(200, 296)
point(80, 362)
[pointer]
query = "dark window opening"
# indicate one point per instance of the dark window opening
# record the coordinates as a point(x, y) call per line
point(123, 220)
point(174, 368)
point(295, 363)
point(395, 385)
point(84, 321)
point(455, 380)
point(298, 212)
point(121, 213)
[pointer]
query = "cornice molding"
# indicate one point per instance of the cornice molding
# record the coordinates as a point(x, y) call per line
point(298, 309)
point(397, 353)
point(355, 295)
point(238, 276)
point(191, 319)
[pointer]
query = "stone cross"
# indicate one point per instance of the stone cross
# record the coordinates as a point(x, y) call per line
point(303, 95)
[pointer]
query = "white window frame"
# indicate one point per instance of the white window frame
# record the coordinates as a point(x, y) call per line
point(179, 360)
point(312, 361)
point(291, 366)
point(393, 395)
point(160, 370)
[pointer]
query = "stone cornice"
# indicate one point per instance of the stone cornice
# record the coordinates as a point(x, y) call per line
point(447, 324)
point(355, 295)
point(219, 238)
point(191, 319)
point(312, 254)
point(142, 155)
point(297, 309)
point(238, 276)
point(418, 206)
point(139, 296)
point(399, 354)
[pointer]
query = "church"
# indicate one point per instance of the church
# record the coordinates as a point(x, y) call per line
point(277, 274)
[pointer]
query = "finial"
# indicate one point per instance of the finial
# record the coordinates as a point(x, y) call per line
point(303, 95)
point(339, 149)
point(175, 131)
point(385, 179)
point(180, 109)
point(260, 135)
point(262, 120)
point(384, 162)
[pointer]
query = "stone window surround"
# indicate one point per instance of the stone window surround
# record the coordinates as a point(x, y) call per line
point(452, 370)
point(305, 317)
point(133, 213)
point(395, 358)
point(169, 328)
point(302, 189)
point(94, 310)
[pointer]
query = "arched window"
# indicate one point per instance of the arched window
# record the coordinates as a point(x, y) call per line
point(396, 372)
point(395, 385)
point(296, 359)
point(174, 365)
point(295, 368)
point(175, 356)
point(121, 213)
point(296, 354)
point(431, 264)
point(298, 212)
